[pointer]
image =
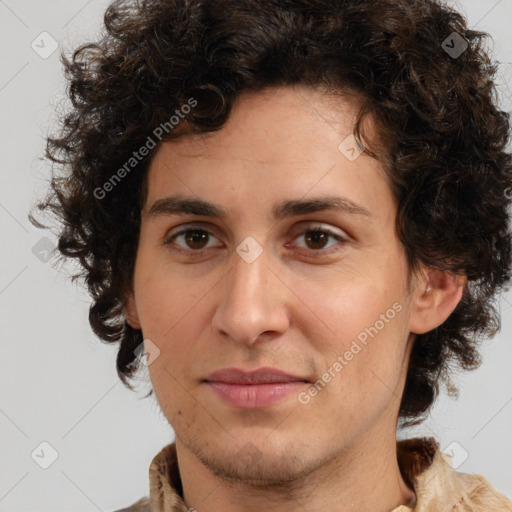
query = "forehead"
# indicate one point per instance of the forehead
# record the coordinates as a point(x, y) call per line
point(283, 141)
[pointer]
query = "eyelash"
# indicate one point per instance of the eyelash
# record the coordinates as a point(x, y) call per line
point(314, 253)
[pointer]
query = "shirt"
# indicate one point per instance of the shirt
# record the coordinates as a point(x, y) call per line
point(437, 485)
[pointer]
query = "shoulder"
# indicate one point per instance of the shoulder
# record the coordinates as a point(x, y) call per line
point(143, 505)
point(440, 487)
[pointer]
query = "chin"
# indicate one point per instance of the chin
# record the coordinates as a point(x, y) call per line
point(266, 472)
point(259, 464)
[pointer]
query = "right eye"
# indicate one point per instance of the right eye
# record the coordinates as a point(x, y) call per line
point(194, 240)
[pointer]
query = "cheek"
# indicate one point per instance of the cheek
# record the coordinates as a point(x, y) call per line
point(173, 395)
point(165, 297)
point(340, 310)
point(359, 333)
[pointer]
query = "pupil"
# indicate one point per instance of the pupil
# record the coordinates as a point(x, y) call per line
point(194, 237)
point(318, 237)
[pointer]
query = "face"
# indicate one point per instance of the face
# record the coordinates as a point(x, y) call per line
point(295, 267)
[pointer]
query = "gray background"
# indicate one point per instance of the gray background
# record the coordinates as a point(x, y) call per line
point(58, 381)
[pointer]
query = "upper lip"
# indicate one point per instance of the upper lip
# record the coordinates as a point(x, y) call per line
point(258, 376)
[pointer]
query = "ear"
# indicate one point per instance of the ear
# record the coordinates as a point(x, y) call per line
point(130, 311)
point(436, 295)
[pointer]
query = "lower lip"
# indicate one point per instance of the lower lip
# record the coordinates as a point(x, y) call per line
point(254, 396)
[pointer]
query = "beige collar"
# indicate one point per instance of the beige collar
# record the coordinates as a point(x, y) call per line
point(438, 487)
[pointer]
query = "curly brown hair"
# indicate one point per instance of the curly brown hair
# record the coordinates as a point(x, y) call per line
point(444, 141)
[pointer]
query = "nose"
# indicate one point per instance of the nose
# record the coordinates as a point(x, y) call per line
point(254, 301)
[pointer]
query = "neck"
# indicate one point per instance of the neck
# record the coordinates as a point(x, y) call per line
point(364, 476)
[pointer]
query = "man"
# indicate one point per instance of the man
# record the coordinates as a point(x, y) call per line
point(294, 214)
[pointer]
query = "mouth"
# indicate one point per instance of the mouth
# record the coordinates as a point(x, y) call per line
point(254, 389)
point(258, 376)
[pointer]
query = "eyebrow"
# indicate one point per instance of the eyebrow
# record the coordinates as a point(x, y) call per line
point(179, 204)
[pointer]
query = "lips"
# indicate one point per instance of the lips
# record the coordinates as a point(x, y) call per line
point(259, 376)
point(257, 389)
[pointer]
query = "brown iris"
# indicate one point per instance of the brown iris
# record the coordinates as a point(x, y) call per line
point(318, 238)
point(196, 236)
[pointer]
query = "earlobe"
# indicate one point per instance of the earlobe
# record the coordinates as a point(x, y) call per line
point(436, 296)
point(130, 311)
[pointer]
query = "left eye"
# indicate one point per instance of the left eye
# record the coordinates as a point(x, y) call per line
point(317, 237)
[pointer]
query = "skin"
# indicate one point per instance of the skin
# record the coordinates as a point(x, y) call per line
point(298, 306)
